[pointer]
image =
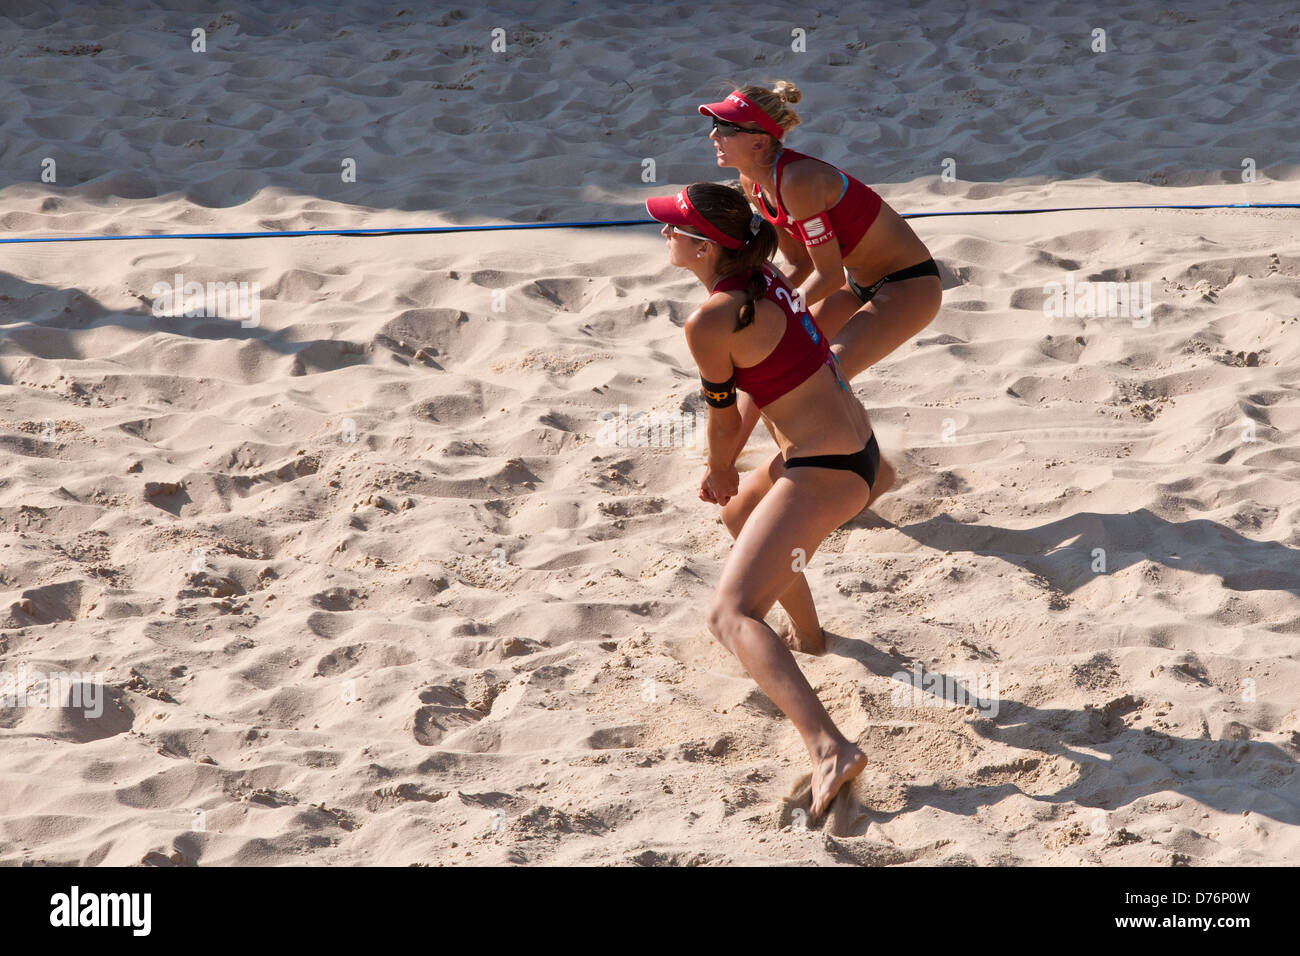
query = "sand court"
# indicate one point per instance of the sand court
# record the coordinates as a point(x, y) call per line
point(366, 585)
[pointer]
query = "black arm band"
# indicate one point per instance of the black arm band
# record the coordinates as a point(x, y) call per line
point(719, 394)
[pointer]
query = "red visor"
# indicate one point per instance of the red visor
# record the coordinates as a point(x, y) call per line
point(678, 211)
point(737, 109)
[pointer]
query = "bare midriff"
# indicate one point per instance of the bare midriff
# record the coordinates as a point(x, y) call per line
point(889, 245)
point(817, 417)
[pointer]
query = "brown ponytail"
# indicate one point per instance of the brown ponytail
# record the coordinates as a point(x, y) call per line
point(756, 286)
point(727, 209)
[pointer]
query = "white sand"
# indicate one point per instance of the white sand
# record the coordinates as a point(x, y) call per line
point(358, 677)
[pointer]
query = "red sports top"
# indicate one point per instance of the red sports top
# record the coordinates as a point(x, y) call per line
point(851, 216)
point(801, 352)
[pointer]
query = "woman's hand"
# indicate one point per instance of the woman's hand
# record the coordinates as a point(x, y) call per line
point(720, 484)
point(705, 493)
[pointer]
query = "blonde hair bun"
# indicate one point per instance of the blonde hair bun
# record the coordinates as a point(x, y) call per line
point(787, 92)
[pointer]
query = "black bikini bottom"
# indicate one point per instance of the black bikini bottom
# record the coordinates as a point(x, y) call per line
point(864, 462)
point(926, 268)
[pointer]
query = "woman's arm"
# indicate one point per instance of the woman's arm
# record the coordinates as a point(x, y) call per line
point(796, 256)
point(707, 332)
point(798, 263)
point(803, 194)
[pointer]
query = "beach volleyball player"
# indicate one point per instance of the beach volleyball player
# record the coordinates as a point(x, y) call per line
point(750, 334)
point(869, 281)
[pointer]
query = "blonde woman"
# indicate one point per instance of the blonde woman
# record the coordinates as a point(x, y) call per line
point(751, 334)
point(870, 282)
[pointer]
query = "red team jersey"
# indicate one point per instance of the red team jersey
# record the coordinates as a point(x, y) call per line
point(848, 220)
point(802, 350)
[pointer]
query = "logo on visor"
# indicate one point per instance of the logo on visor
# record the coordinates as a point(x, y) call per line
point(737, 99)
point(681, 204)
point(814, 227)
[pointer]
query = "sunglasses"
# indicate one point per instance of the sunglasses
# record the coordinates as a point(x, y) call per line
point(731, 129)
point(682, 232)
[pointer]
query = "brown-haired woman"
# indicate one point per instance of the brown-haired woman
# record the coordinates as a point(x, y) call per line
point(752, 334)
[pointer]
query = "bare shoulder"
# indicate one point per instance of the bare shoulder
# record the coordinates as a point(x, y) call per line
point(808, 169)
point(715, 319)
point(804, 186)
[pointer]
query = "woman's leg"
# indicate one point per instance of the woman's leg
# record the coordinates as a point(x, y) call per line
point(861, 335)
point(832, 312)
point(787, 526)
point(897, 312)
point(805, 627)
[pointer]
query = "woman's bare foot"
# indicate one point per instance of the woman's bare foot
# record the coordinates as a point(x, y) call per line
point(797, 640)
point(885, 477)
point(832, 771)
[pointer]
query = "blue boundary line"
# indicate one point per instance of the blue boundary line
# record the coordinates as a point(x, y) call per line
point(595, 224)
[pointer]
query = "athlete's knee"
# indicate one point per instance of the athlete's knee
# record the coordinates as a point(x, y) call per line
point(716, 618)
point(737, 511)
point(723, 619)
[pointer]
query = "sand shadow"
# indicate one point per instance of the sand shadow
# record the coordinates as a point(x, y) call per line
point(1063, 551)
point(1102, 782)
point(54, 320)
